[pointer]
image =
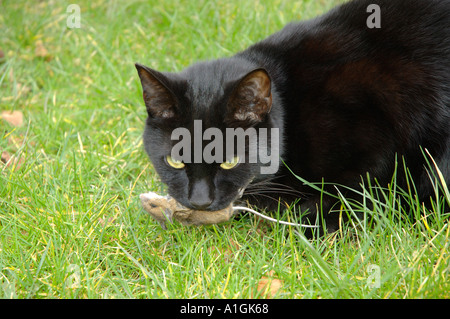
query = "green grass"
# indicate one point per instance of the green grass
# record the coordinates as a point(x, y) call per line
point(71, 225)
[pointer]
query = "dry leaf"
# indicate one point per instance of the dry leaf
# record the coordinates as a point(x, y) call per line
point(15, 141)
point(2, 54)
point(5, 157)
point(14, 159)
point(105, 221)
point(224, 253)
point(22, 89)
point(11, 160)
point(14, 118)
point(41, 52)
point(220, 253)
point(268, 286)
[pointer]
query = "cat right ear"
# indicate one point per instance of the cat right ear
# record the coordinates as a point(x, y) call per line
point(159, 100)
point(251, 99)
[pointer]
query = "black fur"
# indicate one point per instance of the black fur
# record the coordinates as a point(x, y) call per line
point(347, 99)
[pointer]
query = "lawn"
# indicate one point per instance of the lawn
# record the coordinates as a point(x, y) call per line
point(73, 166)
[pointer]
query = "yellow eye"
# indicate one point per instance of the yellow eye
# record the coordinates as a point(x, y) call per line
point(174, 163)
point(229, 164)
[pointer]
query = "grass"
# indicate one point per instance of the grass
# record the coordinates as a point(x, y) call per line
point(71, 225)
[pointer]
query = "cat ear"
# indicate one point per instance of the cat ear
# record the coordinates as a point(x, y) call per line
point(158, 99)
point(251, 100)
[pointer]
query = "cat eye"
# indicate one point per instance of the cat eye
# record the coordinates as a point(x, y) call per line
point(229, 164)
point(174, 163)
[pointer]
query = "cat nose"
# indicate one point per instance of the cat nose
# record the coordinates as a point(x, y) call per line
point(200, 205)
point(200, 198)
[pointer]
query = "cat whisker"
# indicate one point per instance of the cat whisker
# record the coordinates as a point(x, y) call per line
point(264, 195)
point(268, 191)
point(274, 187)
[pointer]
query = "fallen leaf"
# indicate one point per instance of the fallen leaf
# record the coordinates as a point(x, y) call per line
point(226, 253)
point(22, 89)
point(105, 221)
point(10, 160)
point(5, 157)
point(268, 286)
point(219, 253)
point(15, 141)
point(41, 52)
point(14, 118)
point(2, 55)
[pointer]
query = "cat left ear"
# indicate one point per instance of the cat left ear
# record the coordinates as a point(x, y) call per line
point(158, 98)
point(251, 100)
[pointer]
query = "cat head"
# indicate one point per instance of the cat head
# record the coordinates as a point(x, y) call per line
point(206, 127)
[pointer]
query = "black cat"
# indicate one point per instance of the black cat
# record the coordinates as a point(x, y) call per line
point(348, 97)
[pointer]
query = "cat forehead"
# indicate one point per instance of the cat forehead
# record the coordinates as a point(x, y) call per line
point(209, 80)
point(204, 82)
